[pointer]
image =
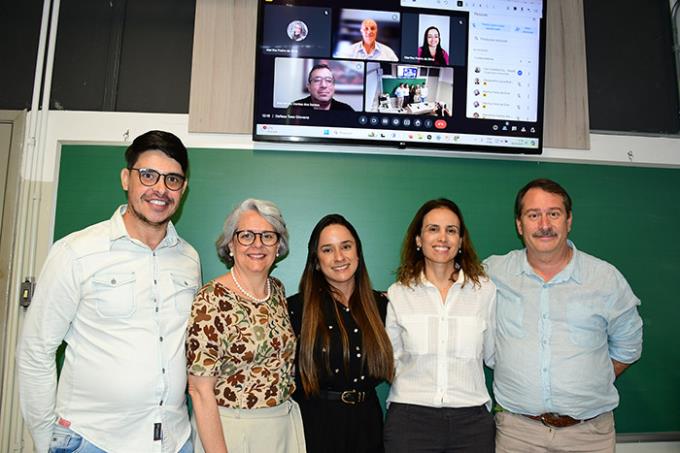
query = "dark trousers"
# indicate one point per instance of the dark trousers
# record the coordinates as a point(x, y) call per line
point(415, 429)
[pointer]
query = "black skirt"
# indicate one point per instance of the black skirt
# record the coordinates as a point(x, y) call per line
point(332, 426)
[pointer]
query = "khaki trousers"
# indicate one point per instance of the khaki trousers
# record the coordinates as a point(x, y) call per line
point(519, 434)
point(269, 430)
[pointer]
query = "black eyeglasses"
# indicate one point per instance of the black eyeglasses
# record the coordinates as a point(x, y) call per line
point(150, 177)
point(247, 237)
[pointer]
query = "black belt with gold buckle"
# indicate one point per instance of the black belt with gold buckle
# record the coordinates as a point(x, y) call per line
point(348, 396)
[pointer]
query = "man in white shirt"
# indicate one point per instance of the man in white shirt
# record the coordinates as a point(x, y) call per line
point(424, 93)
point(119, 294)
point(369, 48)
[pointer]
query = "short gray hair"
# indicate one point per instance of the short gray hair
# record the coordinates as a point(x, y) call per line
point(266, 209)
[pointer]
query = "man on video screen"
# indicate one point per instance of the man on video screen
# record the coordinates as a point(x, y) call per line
point(369, 48)
point(321, 87)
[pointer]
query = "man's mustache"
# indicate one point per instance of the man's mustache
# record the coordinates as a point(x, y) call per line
point(544, 233)
point(157, 196)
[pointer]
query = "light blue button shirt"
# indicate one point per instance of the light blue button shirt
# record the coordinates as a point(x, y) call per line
point(555, 340)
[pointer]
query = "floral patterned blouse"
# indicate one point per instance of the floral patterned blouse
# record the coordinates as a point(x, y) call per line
point(249, 346)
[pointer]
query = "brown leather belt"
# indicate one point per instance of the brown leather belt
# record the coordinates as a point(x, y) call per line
point(554, 420)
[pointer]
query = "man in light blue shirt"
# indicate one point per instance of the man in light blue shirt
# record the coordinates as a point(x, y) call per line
point(567, 326)
point(119, 294)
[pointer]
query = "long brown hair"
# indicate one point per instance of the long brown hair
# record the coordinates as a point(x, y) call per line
point(425, 48)
point(412, 261)
point(314, 288)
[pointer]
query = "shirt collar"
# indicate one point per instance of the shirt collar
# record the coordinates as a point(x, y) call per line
point(118, 230)
point(571, 271)
point(426, 282)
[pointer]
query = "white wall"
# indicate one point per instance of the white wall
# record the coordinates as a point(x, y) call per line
point(649, 447)
point(116, 127)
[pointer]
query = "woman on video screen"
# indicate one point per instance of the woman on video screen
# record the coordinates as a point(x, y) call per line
point(431, 50)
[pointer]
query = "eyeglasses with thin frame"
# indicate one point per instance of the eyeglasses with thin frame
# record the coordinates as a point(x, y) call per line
point(149, 177)
point(318, 80)
point(247, 237)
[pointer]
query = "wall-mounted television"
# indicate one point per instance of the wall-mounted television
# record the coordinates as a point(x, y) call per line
point(447, 74)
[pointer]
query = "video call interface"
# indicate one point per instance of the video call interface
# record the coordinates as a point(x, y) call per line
point(455, 73)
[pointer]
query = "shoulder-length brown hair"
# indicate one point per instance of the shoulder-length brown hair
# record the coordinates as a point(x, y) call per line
point(314, 288)
point(412, 260)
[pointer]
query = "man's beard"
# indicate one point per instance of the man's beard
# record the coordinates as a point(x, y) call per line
point(144, 219)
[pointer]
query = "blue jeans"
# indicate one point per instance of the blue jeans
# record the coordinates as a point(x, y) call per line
point(66, 441)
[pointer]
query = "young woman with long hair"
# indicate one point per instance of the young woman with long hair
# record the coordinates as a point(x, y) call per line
point(431, 50)
point(344, 351)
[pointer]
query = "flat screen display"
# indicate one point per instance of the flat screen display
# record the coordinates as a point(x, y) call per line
point(446, 74)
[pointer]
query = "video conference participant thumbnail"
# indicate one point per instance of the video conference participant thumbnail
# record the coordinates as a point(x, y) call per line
point(321, 87)
point(304, 85)
point(368, 35)
point(298, 31)
point(408, 89)
point(435, 40)
point(432, 50)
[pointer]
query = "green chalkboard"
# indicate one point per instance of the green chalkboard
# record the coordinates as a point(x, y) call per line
point(628, 216)
point(389, 85)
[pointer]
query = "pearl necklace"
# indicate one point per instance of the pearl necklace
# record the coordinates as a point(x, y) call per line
point(246, 293)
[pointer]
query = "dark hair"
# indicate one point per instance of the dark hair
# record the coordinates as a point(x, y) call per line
point(319, 66)
point(425, 48)
point(412, 261)
point(547, 185)
point(377, 353)
point(158, 141)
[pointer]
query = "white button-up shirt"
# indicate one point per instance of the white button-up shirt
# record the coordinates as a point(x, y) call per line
point(122, 308)
point(439, 345)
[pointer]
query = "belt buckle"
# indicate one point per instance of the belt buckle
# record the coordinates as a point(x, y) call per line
point(554, 420)
point(546, 418)
point(352, 397)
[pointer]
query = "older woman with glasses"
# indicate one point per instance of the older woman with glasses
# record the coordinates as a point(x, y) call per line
point(240, 343)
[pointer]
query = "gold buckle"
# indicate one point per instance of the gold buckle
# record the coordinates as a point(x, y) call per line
point(358, 397)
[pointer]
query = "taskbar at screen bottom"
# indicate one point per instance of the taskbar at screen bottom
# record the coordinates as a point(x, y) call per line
point(264, 131)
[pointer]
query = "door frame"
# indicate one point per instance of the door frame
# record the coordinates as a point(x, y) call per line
point(10, 312)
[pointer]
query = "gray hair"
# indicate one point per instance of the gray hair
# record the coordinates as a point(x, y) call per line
point(266, 209)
